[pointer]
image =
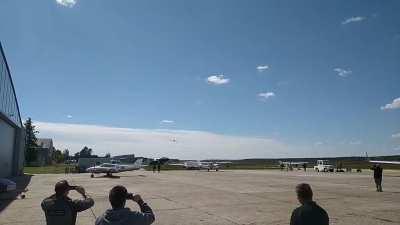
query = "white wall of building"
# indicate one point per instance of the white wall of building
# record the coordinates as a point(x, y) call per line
point(7, 139)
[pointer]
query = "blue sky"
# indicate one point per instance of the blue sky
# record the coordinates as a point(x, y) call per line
point(311, 76)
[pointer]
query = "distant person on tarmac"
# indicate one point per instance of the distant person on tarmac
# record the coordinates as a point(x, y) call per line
point(158, 166)
point(119, 215)
point(309, 213)
point(305, 167)
point(60, 209)
point(154, 166)
point(377, 176)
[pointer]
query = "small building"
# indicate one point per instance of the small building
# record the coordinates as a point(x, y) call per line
point(45, 151)
point(125, 158)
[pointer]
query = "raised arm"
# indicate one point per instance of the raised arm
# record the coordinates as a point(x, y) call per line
point(82, 204)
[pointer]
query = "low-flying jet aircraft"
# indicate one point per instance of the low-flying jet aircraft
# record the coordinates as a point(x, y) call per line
point(201, 165)
point(110, 168)
point(382, 161)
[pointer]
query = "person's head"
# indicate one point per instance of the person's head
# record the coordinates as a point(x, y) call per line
point(118, 196)
point(62, 188)
point(304, 193)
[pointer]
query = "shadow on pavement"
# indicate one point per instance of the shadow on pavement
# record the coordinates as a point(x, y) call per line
point(7, 198)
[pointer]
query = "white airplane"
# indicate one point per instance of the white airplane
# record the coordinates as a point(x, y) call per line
point(291, 164)
point(110, 168)
point(382, 161)
point(385, 162)
point(199, 165)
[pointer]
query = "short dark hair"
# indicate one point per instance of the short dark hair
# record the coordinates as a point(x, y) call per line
point(61, 187)
point(304, 191)
point(117, 196)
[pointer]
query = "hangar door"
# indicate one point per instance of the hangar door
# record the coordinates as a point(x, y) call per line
point(7, 134)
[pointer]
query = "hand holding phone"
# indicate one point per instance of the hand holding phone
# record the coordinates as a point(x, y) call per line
point(80, 190)
point(129, 196)
point(137, 198)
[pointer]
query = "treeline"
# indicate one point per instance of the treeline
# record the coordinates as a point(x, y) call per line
point(58, 156)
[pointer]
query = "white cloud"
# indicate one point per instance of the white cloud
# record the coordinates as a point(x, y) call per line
point(342, 72)
point(67, 3)
point(394, 105)
point(397, 148)
point(318, 143)
point(167, 121)
point(396, 135)
point(266, 95)
point(262, 68)
point(355, 142)
point(353, 20)
point(156, 142)
point(69, 116)
point(217, 79)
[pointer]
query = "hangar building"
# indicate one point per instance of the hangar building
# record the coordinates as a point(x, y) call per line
point(12, 135)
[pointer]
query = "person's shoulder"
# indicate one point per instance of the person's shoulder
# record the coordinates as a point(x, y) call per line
point(53, 200)
point(322, 210)
point(297, 210)
point(133, 213)
point(49, 199)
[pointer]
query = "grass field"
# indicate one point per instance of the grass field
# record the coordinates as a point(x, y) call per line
point(53, 169)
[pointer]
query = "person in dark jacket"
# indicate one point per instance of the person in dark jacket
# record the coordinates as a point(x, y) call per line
point(158, 166)
point(59, 209)
point(119, 215)
point(378, 176)
point(309, 213)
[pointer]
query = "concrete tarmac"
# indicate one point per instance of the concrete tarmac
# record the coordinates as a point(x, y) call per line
point(225, 197)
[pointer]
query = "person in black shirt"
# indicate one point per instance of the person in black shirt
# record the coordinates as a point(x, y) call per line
point(377, 176)
point(59, 209)
point(118, 214)
point(309, 213)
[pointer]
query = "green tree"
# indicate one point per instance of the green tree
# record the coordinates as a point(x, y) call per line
point(58, 156)
point(84, 153)
point(66, 154)
point(31, 141)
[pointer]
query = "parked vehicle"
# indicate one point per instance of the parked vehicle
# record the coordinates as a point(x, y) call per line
point(323, 166)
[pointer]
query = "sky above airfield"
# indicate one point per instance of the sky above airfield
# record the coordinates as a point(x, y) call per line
point(208, 79)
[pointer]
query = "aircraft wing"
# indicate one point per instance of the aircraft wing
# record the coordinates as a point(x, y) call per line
point(216, 162)
point(100, 170)
point(385, 162)
point(177, 164)
point(293, 163)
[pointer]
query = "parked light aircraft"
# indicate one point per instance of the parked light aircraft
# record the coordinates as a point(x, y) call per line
point(199, 165)
point(290, 164)
point(110, 168)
